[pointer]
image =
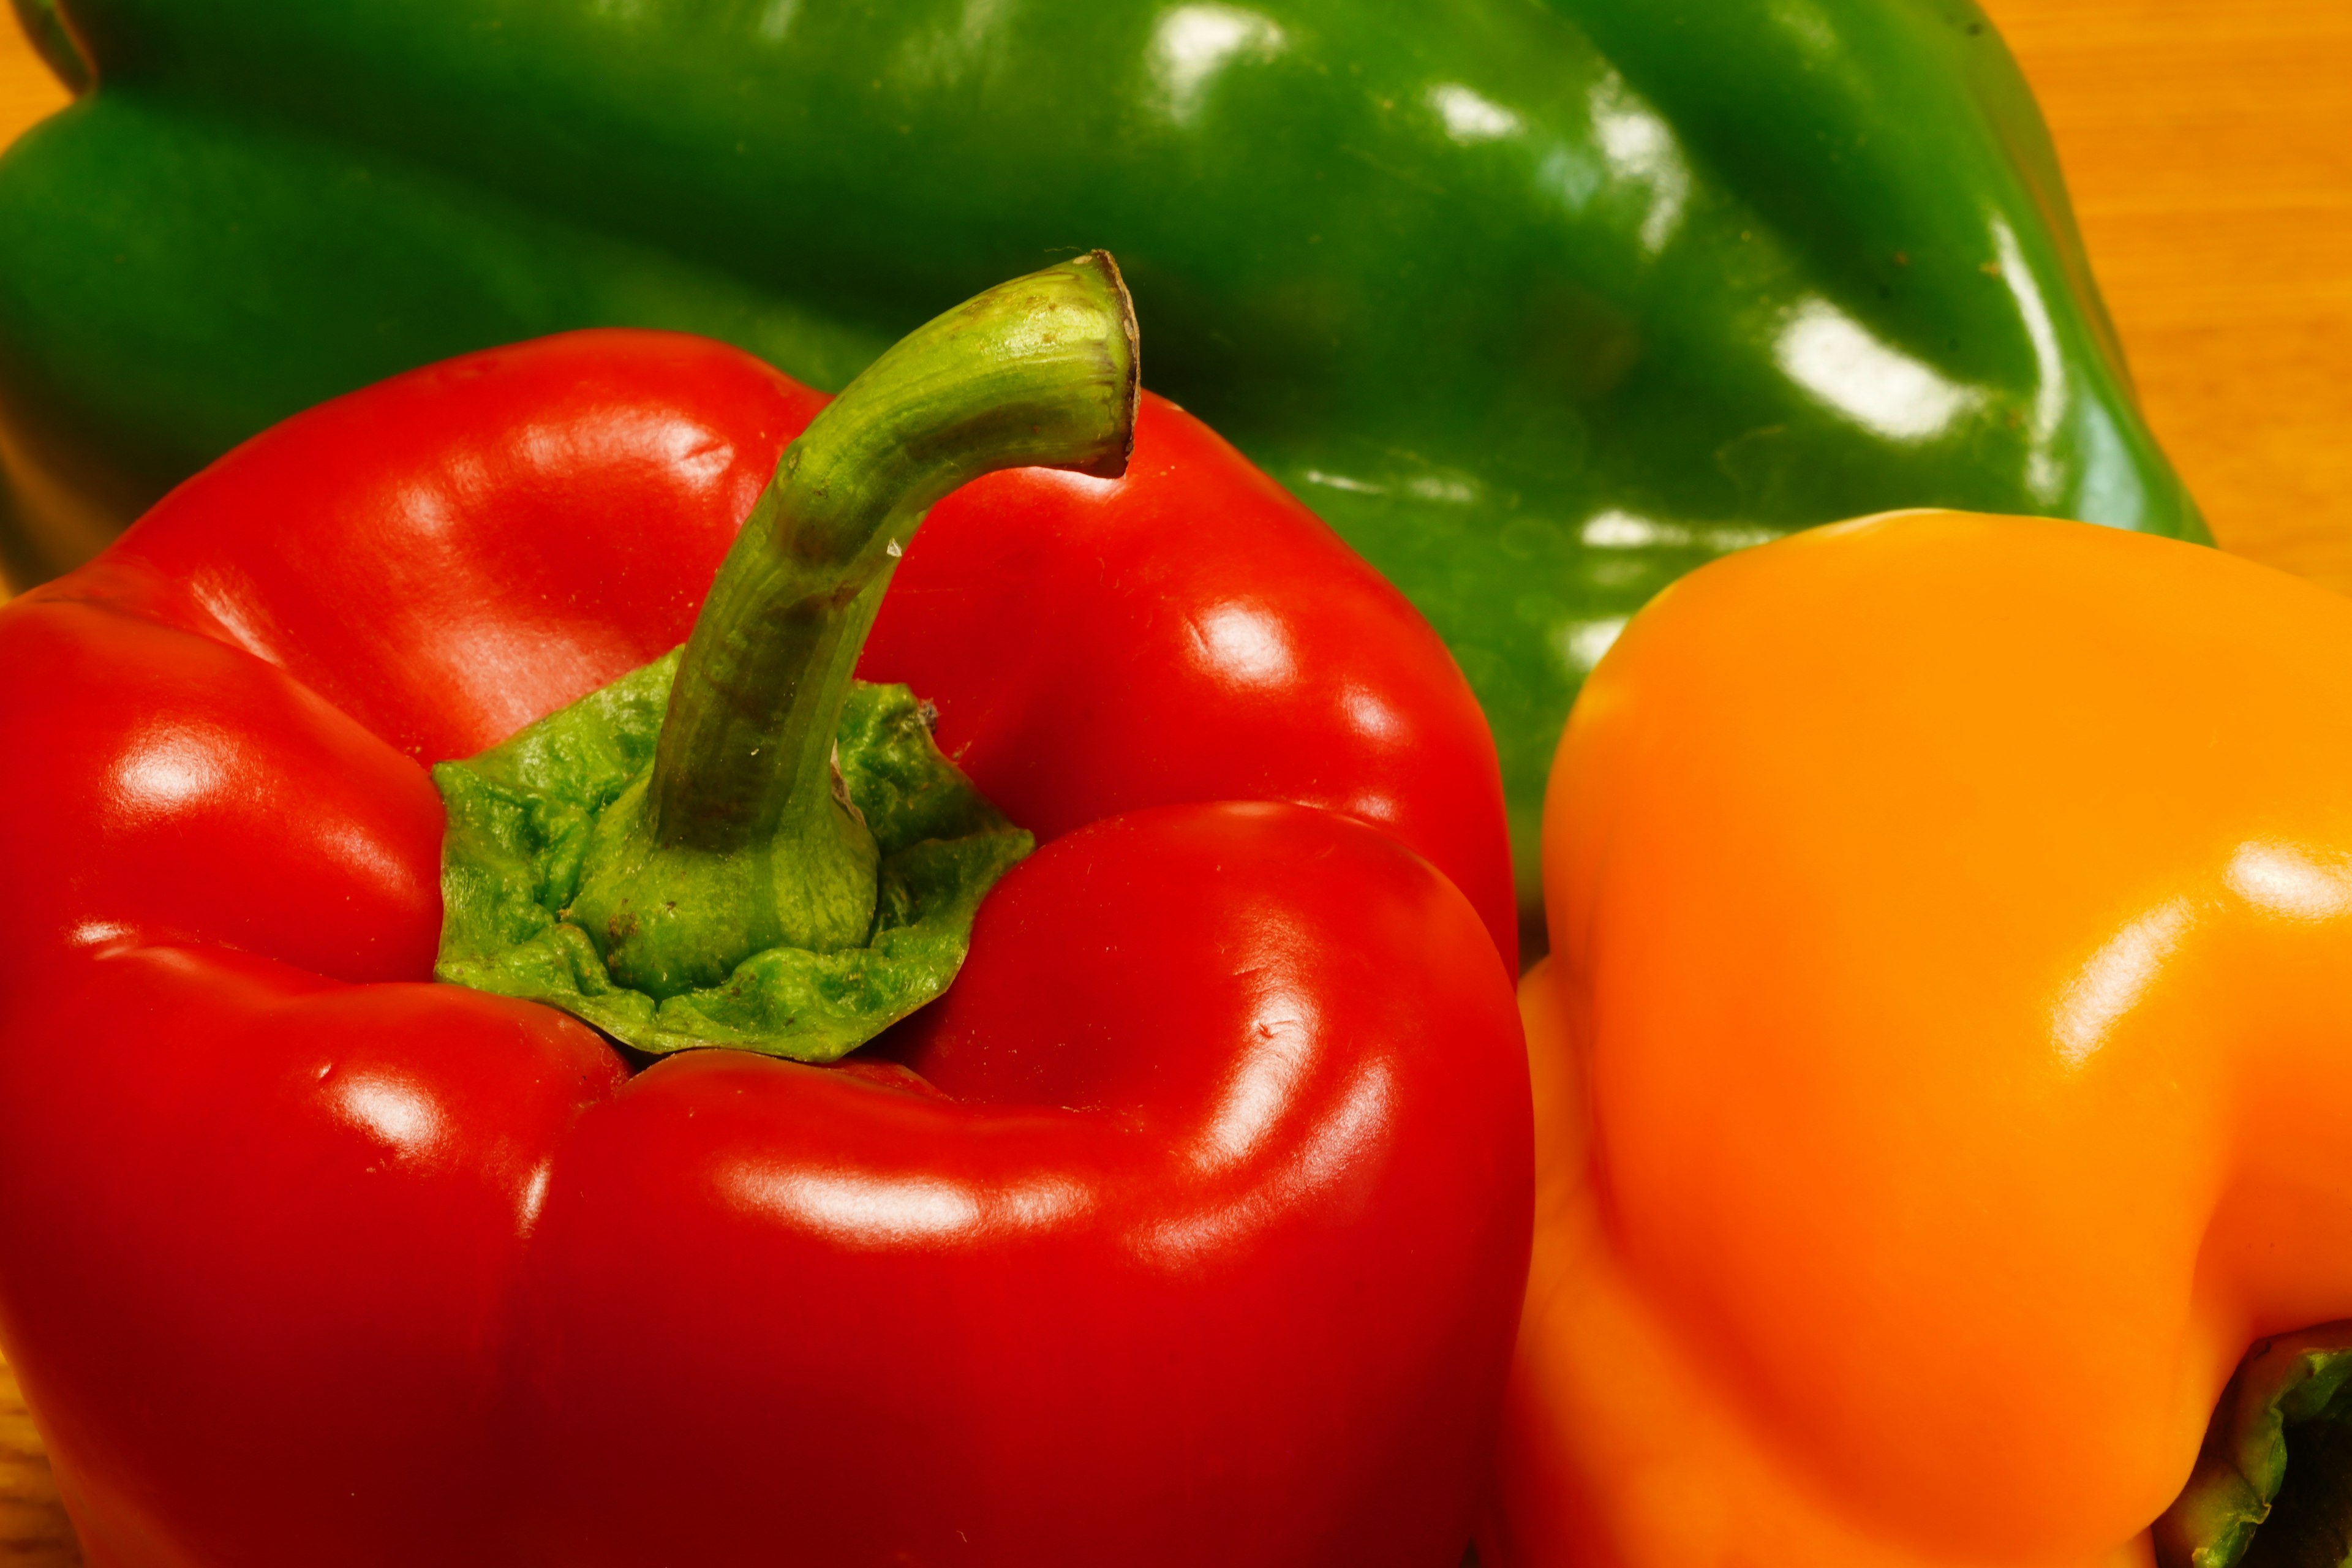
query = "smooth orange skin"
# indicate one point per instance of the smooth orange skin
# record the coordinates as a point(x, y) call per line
point(1939, 1070)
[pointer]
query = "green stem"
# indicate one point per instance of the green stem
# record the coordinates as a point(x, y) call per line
point(743, 840)
point(2272, 1487)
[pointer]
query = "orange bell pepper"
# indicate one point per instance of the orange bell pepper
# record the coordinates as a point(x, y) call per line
point(1940, 1065)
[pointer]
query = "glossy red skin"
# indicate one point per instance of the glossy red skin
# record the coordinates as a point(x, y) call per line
point(1193, 1229)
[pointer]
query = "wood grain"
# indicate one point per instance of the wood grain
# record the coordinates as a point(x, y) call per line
point(2209, 148)
point(34, 1532)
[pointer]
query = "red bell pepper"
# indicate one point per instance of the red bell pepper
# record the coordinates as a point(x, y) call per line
point(1189, 1227)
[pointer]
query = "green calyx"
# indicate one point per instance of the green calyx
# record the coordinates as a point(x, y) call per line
point(524, 814)
point(2246, 1506)
point(740, 845)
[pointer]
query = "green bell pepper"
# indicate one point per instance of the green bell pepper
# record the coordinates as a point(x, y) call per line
point(1539, 302)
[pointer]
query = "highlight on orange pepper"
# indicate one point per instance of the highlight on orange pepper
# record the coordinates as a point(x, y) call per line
point(1940, 1063)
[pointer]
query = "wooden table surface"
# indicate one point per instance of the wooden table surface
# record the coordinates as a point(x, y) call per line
point(2209, 148)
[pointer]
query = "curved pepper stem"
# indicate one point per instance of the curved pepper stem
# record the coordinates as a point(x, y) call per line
point(742, 838)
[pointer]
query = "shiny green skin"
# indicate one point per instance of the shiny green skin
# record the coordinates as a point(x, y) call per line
point(1541, 303)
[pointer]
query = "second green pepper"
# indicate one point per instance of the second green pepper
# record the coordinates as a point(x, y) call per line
point(1540, 304)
